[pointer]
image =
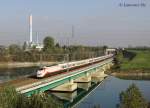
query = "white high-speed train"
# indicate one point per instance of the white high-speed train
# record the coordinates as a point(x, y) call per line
point(60, 68)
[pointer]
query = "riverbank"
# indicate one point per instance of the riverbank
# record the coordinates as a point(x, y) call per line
point(131, 74)
point(23, 64)
point(141, 60)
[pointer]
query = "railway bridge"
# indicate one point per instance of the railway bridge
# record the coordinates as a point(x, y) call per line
point(69, 81)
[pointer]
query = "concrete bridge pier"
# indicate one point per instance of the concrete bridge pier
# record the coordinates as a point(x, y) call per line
point(67, 87)
point(84, 82)
point(66, 96)
point(104, 68)
point(84, 79)
point(84, 86)
point(111, 64)
point(108, 66)
point(98, 76)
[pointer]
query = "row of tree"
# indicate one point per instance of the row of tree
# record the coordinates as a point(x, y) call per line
point(51, 52)
point(143, 48)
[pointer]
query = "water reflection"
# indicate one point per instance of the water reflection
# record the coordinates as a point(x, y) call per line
point(7, 74)
point(107, 94)
point(72, 99)
point(84, 86)
point(135, 77)
point(65, 96)
point(97, 79)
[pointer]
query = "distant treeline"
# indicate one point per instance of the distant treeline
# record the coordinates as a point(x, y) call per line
point(139, 48)
point(51, 52)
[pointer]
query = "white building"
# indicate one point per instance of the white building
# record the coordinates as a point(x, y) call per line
point(110, 51)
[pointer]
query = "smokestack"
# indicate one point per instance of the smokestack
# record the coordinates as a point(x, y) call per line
point(30, 27)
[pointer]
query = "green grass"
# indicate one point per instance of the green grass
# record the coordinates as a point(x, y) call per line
point(140, 61)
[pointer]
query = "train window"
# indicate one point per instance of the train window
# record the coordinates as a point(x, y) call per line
point(41, 68)
point(91, 60)
point(53, 64)
point(64, 66)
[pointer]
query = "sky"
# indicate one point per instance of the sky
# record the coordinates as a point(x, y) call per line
point(96, 22)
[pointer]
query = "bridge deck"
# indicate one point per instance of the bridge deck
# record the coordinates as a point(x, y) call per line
point(58, 78)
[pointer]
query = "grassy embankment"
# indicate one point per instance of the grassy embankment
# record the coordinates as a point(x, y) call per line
point(134, 63)
point(141, 61)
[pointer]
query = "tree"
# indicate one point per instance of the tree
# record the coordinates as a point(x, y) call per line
point(14, 49)
point(132, 98)
point(3, 53)
point(48, 44)
point(24, 47)
point(57, 45)
point(104, 48)
point(148, 105)
point(2, 50)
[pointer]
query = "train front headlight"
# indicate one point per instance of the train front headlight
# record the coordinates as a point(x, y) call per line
point(39, 72)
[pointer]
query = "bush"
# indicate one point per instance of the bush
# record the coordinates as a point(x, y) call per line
point(11, 99)
point(132, 98)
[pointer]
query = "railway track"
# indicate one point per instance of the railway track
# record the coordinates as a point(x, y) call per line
point(32, 79)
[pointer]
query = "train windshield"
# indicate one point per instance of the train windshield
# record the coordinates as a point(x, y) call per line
point(42, 68)
point(53, 64)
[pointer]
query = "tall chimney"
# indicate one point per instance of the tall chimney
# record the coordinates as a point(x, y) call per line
point(30, 27)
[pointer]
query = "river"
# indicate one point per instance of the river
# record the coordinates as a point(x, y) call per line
point(7, 74)
point(105, 94)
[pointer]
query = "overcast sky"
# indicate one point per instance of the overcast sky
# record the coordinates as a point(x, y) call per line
point(96, 22)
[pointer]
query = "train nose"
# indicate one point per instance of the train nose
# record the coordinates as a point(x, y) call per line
point(39, 72)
